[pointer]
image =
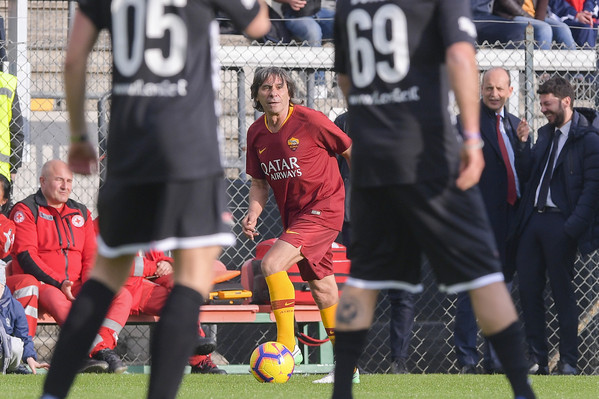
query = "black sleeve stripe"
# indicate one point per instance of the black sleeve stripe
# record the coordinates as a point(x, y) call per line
point(30, 267)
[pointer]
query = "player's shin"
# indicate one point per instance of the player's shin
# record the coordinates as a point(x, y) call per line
point(282, 302)
point(76, 336)
point(509, 345)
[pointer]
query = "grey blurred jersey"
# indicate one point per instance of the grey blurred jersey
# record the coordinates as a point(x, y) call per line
point(163, 117)
point(393, 51)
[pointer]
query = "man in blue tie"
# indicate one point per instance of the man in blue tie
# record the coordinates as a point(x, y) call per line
point(557, 216)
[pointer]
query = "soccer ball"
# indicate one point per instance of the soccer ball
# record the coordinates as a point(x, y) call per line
point(272, 362)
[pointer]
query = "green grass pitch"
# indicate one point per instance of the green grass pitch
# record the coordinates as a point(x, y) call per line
point(434, 386)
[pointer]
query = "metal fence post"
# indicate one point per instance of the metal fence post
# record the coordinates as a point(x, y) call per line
point(103, 134)
point(529, 78)
point(241, 133)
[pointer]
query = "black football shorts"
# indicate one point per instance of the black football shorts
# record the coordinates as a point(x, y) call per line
point(163, 216)
point(393, 226)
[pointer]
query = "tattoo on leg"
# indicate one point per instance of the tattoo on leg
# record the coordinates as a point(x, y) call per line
point(347, 311)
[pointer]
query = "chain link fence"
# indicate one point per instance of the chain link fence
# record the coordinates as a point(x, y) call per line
point(37, 59)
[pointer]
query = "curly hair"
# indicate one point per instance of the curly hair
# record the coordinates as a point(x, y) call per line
point(559, 87)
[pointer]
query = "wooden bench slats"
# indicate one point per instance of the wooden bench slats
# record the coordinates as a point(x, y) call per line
point(222, 314)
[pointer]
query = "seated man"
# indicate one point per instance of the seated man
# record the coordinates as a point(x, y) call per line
point(581, 17)
point(547, 26)
point(506, 20)
point(492, 28)
point(55, 242)
point(308, 21)
point(148, 297)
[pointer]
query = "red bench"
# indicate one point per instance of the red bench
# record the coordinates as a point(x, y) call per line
point(221, 314)
point(214, 314)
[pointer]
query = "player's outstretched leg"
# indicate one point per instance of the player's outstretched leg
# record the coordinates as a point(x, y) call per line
point(173, 342)
point(76, 336)
point(498, 321)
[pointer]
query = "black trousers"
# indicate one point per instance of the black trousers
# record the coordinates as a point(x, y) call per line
point(544, 250)
point(401, 323)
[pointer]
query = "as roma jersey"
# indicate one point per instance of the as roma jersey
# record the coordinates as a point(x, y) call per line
point(299, 163)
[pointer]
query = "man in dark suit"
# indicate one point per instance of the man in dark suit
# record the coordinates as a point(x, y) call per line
point(507, 157)
point(557, 215)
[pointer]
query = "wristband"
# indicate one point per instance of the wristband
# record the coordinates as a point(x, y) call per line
point(79, 139)
point(471, 135)
point(475, 146)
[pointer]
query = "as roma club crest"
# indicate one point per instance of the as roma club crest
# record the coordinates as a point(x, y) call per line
point(293, 143)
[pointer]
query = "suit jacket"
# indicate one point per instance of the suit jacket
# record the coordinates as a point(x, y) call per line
point(493, 180)
point(575, 181)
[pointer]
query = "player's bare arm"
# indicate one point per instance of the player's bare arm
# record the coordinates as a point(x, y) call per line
point(82, 155)
point(344, 84)
point(257, 200)
point(260, 25)
point(463, 75)
point(347, 155)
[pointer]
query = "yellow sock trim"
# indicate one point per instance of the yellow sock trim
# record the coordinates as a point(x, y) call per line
point(282, 302)
point(328, 321)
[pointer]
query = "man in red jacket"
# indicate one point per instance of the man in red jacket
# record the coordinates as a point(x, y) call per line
point(150, 283)
point(55, 242)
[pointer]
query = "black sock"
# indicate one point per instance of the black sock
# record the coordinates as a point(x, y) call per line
point(173, 341)
point(76, 336)
point(348, 348)
point(509, 345)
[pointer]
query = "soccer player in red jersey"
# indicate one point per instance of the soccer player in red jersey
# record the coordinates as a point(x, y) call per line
point(292, 149)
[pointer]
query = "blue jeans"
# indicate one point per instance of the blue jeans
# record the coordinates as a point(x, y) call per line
point(491, 28)
point(562, 33)
point(548, 31)
point(313, 30)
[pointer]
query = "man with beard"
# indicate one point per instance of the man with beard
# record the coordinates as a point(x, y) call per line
point(558, 214)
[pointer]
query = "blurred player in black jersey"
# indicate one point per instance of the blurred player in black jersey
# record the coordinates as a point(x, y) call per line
point(164, 188)
point(397, 61)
